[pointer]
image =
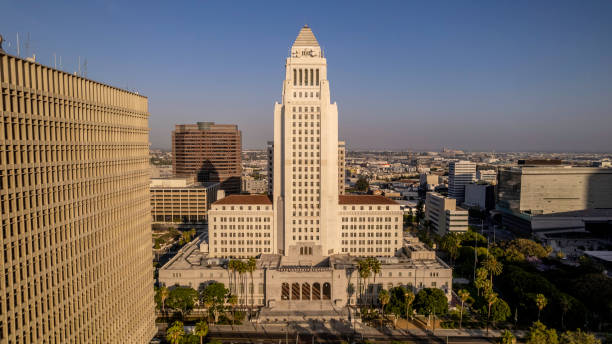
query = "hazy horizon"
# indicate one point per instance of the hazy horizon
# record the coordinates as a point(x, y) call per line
point(478, 76)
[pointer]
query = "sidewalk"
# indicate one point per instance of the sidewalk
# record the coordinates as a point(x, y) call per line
point(343, 329)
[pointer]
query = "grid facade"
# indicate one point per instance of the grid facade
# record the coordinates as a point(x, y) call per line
point(74, 192)
point(188, 204)
point(210, 151)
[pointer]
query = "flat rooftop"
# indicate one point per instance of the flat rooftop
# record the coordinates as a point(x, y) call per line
point(365, 199)
point(245, 199)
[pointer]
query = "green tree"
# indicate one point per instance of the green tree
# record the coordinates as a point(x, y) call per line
point(182, 299)
point(431, 301)
point(539, 334)
point(362, 184)
point(163, 296)
point(364, 273)
point(481, 279)
point(493, 266)
point(507, 338)
point(450, 244)
point(383, 298)
point(464, 295)
point(578, 337)
point(233, 301)
point(375, 268)
point(408, 299)
point(201, 330)
point(213, 296)
point(175, 333)
point(251, 266)
point(518, 249)
point(500, 311)
point(490, 298)
point(541, 302)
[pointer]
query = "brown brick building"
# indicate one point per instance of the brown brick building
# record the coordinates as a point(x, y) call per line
point(210, 151)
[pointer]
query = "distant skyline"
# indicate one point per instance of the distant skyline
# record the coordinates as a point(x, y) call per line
point(478, 76)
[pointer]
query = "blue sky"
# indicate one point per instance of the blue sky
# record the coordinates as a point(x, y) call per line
point(474, 75)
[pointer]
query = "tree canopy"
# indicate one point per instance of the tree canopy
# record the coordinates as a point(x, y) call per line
point(182, 299)
point(431, 301)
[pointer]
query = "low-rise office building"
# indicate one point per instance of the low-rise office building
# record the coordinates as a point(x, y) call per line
point(444, 214)
point(530, 190)
point(181, 200)
point(487, 176)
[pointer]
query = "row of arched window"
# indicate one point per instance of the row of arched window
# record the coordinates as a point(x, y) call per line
point(305, 292)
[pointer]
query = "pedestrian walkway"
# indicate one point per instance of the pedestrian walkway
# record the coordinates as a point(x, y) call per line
point(343, 329)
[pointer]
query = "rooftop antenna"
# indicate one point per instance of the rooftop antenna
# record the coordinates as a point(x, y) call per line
point(80, 66)
point(55, 60)
point(18, 45)
point(27, 45)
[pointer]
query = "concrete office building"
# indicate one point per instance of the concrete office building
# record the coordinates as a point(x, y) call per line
point(487, 176)
point(251, 185)
point(210, 151)
point(460, 173)
point(531, 190)
point(480, 195)
point(428, 181)
point(444, 214)
point(181, 200)
point(306, 236)
point(76, 225)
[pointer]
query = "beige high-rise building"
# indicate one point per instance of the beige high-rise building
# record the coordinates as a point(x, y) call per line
point(307, 238)
point(74, 193)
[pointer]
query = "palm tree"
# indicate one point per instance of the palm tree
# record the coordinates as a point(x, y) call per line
point(564, 303)
point(383, 298)
point(541, 302)
point(163, 295)
point(233, 300)
point(491, 298)
point(481, 279)
point(175, 333)
point(375, 268)
point(241, 275)
point(493, 266)
point(201, 330)
point(409, 298)
point(251, 266)
point(364, 274)
point(464, 295)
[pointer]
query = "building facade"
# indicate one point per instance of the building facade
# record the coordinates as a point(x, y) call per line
point(487, 176)
point(444, 214)
point(251, 185)
point(527, 191)
point(76, 214)
point(211, 152)
point(460, 173)
point(341, 167)
point(307, 237)
point(480, 195)
point(181, 200)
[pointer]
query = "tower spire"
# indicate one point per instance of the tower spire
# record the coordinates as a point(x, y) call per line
point(306, 38)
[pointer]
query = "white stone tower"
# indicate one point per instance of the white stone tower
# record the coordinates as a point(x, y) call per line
point(305, 191)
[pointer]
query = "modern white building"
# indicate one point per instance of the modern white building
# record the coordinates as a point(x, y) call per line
point(460, 173)
point(306, 235)
point(444, 214)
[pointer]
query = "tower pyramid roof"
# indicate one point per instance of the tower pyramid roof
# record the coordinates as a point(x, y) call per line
point(306, 38)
